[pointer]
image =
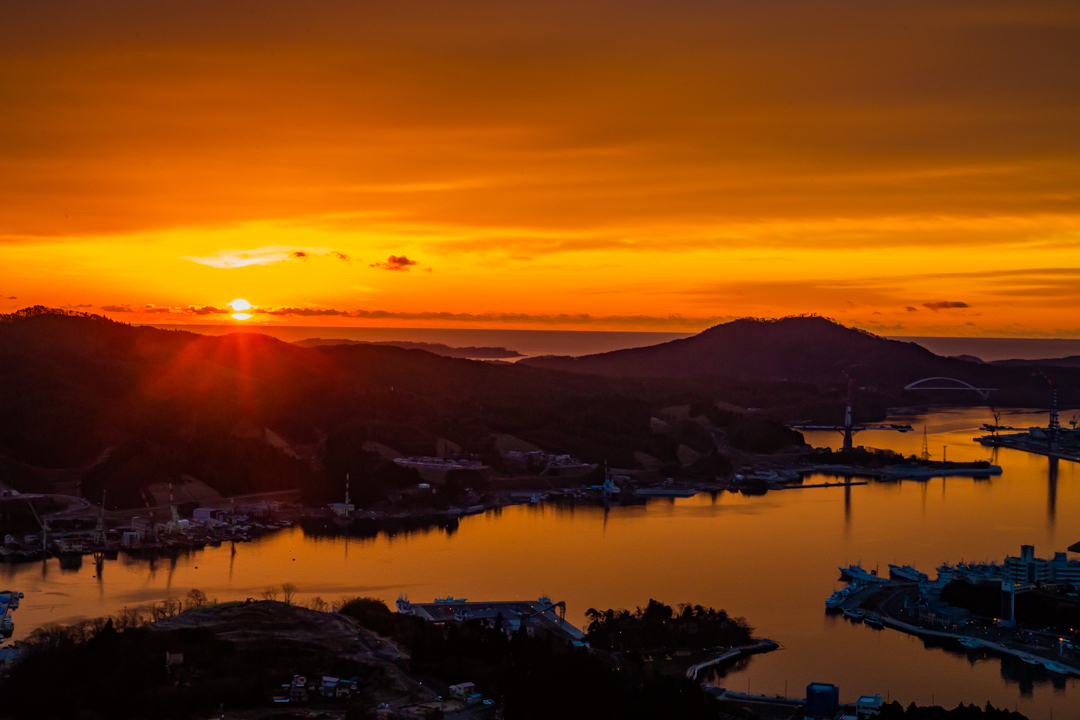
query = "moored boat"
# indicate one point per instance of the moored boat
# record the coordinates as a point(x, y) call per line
point(855, 615)
point(874, 620)
point(906, 572)
point(1057, 668)
point(834, 600)
point(970, 642)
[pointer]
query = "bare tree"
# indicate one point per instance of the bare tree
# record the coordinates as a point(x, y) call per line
point(318, 604)
point(288, 592)
point(270, 593)
point(196, 598)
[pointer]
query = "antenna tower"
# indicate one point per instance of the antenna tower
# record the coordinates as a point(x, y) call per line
point(925, 454)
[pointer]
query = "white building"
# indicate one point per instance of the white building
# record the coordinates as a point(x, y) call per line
point(1028, 569)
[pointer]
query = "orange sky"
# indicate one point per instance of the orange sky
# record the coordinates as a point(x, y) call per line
point(910, 167)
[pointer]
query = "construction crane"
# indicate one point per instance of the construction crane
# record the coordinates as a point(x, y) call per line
point(44, 531)
point(173, 527)
point(98, 538)
point(848, 429)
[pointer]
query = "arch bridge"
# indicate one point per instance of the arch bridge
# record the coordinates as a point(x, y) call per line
point(929, 384)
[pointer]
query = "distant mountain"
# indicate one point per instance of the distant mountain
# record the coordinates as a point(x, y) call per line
point(814, 350)
point(472, 353)
point(1073, 361)
point(802, 349)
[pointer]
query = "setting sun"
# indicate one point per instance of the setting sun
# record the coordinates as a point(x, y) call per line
point(239, 306)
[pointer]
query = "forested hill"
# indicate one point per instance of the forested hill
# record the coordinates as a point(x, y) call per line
point(817, 351)
point(136, 405)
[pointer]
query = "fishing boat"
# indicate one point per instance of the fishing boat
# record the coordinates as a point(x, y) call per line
point(906, 572)
point(855, 615)
point(1057, 668)
point(834, 600)
point(856, 573)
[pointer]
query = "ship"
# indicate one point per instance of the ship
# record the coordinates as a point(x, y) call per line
point(450, 599)
point(1057, 668)
point(834, 600)
point(856, 573)
point(906, 572)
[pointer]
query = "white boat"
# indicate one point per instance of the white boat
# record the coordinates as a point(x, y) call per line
point(1057, 668)
point(834, 600)
point(855, 615)
point(969, 642)
point(906, 572)
point(856, 573)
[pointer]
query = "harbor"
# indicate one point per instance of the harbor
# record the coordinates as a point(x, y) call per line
point(908, 601)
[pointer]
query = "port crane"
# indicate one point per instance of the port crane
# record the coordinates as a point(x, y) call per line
point(848, 429)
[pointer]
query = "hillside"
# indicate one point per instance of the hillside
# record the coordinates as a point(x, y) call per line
point(817, 351)
point(123, 408)
point(472, 353)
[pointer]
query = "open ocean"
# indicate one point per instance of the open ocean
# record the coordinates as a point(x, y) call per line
point(586, 342)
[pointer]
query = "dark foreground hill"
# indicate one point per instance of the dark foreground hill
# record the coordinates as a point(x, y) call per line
point(125, 407)
point(817, 351)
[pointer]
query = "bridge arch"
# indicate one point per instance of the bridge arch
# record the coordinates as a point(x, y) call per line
point(984, 393)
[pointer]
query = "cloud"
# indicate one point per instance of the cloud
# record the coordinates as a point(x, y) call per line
point(206, 310)
point(155, 309)
point(116, 308)
point(945, 305)
point(667, 322)
point(267, 255)
point(395, 262)
point(12, 297)
point(911, 309)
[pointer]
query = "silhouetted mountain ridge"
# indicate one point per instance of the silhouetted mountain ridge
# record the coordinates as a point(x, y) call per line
point(168, 403)
point(808, 349)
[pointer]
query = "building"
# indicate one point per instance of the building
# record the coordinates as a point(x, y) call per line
point(1030, 570)
point(541, 614)
point(941, 615)
point(462, 691)
point(822, 701)
point(868, 706)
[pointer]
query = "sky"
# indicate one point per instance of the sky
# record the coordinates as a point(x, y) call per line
point(907, 167)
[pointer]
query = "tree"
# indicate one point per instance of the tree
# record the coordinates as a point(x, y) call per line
point(318, 604)
point(196, 598)
point(288, 591)
point(270, 593)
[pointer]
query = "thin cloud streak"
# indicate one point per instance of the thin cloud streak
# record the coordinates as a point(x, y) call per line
point(229, 259)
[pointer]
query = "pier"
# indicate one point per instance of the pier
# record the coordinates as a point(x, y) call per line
point(763, 645)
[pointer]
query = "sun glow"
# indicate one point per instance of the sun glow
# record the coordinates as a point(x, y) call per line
point(240, 305)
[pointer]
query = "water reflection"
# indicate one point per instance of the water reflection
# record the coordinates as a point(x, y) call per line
point(772, 559)
point(1051, 489)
